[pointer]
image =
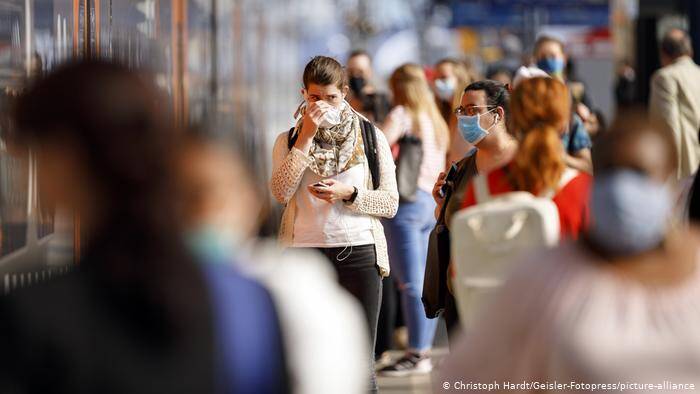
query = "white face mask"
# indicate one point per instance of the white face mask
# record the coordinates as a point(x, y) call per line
point(330, 118)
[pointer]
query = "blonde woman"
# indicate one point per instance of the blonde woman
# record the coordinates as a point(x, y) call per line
point(417, 115)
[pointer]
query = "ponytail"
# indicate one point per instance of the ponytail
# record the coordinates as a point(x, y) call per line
point(539, 162)
point(540, 107)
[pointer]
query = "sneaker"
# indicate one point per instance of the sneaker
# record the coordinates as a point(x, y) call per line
point(383, 361)
point(409, 364)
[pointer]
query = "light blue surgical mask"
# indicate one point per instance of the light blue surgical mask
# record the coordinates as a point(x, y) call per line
point(445, 88)
point(213, 245)
point(630, 212)
point(470, 127)
point(552, 66)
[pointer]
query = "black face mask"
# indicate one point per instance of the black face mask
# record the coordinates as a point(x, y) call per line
point(357, 84)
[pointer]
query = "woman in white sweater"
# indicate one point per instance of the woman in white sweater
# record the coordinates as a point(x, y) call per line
point(323, 175)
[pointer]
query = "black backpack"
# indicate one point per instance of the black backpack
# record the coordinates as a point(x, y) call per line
point(369, 137)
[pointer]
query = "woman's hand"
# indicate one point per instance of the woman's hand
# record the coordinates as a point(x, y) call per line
point(310, 123)
point(437, 196)
point(332, 191)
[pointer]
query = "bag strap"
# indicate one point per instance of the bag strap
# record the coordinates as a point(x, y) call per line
point(369, 137)
point(291, 138)
point(481, 188)
point(567, 176)
point(464, 167)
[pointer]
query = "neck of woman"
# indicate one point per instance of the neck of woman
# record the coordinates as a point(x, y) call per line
point(497, 153)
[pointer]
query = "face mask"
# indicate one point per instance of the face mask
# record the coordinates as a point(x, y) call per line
point(445, 88)
point(213, 245)
point(330, 118)
point(630, 212)
point(357, 84)
point(470, 127)
point(552, 66)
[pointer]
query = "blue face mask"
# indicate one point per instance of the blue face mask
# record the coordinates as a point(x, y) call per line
point(552, 66)
point(212, 245)
point(630, 212)
point(444, 88)
point(470, 127)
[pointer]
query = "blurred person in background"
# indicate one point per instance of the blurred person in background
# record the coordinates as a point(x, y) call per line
point(138, 314)
point(500, 74)
point(483, 117)
point(335, 190)
point(539, 112)
point(620, 305)
point(550, 57)
point(322, 326)
point(451, 77)
point(675, 98)
point(363, 95)
point(625, 85)
point(415, 115)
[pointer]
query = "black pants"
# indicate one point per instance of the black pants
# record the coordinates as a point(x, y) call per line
point(359, 275)
point(388, 318)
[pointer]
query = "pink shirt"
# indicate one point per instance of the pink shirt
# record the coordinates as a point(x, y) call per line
point(398, 123)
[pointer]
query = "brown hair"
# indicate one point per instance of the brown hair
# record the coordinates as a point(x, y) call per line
point(540, 108)
point(323, 71)
point(545, 39)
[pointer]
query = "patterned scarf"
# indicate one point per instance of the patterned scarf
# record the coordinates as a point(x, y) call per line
point(335, 149)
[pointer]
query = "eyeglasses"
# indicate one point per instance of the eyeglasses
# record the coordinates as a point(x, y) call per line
point(471, 110)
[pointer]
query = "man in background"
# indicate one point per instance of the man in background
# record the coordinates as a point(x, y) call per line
point(364, 96)
point(675, 98)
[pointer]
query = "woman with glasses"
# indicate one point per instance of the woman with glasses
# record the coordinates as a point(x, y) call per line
point(482, 122)
point(416, 116)
point(540, 110)
point(334, 192)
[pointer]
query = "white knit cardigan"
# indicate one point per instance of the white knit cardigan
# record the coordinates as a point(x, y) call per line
point(288, 168)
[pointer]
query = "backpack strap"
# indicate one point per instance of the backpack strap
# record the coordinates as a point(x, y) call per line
point(291, 138)
point(369, 137)
point(567, 176)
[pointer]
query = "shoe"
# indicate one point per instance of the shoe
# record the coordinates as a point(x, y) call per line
point(409, 364)
point(383, 361)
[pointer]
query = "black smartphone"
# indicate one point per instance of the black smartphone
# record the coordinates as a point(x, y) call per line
point(319, 185)
point(449, 179)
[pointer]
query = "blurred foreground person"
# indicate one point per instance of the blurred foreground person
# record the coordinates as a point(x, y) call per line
point(322, 326)
point(620, 306)
point(417, 128)
point(674, 98)
point(335, 175)
point(135, 316)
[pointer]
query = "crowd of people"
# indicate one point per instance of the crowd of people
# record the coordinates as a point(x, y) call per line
point(174, 293)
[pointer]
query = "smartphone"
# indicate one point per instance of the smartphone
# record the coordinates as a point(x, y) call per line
point(449, 178)
point(318, 185)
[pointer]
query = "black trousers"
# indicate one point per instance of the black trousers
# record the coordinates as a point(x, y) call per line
point(358, 273)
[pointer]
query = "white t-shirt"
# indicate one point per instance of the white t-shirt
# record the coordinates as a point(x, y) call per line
point(319, 224)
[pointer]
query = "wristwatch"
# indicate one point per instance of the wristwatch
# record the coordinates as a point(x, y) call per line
point(353, 196)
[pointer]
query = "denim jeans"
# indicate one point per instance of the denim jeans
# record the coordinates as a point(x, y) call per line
point(407, 237)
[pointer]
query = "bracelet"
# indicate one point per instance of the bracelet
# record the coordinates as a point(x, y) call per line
point(353, 196)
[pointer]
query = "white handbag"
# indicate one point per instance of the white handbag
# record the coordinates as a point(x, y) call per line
point(490, 236)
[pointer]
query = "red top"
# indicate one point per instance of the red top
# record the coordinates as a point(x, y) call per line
point(572, 200)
